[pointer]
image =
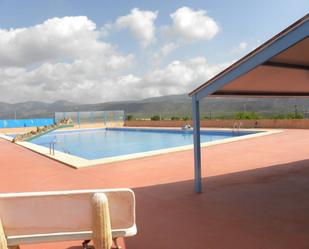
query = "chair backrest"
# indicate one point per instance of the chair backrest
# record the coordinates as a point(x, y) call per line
point(62, 211)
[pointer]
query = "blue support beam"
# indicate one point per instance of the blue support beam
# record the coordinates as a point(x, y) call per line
point(197, 144)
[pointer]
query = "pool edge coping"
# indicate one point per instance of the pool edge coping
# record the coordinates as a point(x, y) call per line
point(78, 162)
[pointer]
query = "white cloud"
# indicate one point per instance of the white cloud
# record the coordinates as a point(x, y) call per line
point(162, 52)
point(66, 59)
point(65, 38)
point(80, 81)
point(84, 83)
point(179, 77)
point(190, 25)
point(58, 59)
point(141, 25)
point(168, 48)
point(242, 46)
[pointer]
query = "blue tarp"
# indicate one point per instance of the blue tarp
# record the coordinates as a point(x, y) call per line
point(12, 123)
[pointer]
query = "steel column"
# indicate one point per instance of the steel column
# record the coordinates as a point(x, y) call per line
point(197, 144)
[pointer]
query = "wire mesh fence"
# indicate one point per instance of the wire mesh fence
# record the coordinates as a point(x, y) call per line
point(92, 117)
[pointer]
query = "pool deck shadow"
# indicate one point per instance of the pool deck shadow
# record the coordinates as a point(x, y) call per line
point(263, 208)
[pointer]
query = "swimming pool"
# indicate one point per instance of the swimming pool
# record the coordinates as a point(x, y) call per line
point(94, 144)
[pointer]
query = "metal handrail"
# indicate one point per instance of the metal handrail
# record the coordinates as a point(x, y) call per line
point(52, 147)
point(236, 127)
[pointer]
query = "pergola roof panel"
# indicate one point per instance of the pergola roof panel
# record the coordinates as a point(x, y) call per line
point(269, 81)
point(279, 67)
point(297, 54)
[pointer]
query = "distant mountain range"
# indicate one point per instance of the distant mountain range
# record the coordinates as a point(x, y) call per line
point(166, 106)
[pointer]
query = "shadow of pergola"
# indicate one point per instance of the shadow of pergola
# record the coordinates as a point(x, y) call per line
point(261, 208)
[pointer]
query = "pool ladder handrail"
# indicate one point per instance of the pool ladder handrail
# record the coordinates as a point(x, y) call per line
point(236, 128)
point(52, 147)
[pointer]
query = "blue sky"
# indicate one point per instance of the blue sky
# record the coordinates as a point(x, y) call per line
point(53, 68)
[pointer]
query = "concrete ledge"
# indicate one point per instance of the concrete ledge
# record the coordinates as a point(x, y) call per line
point(78, 162)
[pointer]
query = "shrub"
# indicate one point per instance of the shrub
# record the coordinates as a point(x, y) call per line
point(298, 116)
point(175, 118)
point(129, 117)
point(279, 116)
point(186, 118)
point(289, 116)
point(247, 115)
point(155, 118)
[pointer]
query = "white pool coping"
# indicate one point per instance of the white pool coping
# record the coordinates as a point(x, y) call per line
point(78, 162)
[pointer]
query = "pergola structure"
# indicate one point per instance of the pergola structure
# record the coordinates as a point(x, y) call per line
point(277, 68)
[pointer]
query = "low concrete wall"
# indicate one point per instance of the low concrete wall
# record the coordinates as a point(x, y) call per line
point(228, 123)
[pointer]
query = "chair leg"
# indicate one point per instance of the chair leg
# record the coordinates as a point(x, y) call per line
point(3, 242)
point(116, 244)
point(101, 225)
point(85, 244)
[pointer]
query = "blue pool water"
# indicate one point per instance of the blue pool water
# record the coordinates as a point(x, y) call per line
point(102, 143)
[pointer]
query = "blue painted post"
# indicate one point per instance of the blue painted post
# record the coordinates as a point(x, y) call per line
point(197, 144)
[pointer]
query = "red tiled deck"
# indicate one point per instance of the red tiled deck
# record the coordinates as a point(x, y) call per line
point(256, 192)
